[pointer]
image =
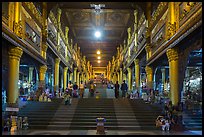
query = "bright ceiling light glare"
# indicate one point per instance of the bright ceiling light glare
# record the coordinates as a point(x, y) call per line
point(99, 61)
point(97, 34)
point(98, 52)
point(99, 57)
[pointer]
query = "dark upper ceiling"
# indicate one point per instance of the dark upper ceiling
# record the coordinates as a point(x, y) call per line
point(113, 22)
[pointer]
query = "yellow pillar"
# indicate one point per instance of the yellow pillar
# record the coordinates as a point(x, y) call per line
point(148, 31)
point(135, 27)
point(11, 15)
point(124, 77)
point(171, 26)
point(59, 12)
point(121, 75)
point(15, 54)
point(129, 35)
point(44, 31)
point(118, 74)
point(137, 74)
point(172, 55)
point(149, 73)
point(163, 77)
point(17, 15)
point(129, 78)
point(71, 77)
point(65, 77)
point(78, 79)
point(56, 80)
point(75, 75)
point(42, 72)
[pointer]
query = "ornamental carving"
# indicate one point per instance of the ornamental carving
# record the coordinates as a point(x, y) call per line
point(158, 12)
point(148, 48)
point(57, 61)
point(15, 53)
point(44, 47)
point(136, 61)
point(148, 70)
point(171, 29)
point(142, 19)
point(172, 54)
point(185, 8)
point(44, 31)
point(18, 29)
point(34, 11)
point(43, 69)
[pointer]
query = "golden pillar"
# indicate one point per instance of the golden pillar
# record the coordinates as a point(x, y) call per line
point(71, 77)
point(17, 16)
point(124, 77)
point(65, 77)
point(172, 55)
point(78, 78)
point(149, 73)
point(114, 78)
point(15, 54)
point(66, 35)
point(56, 80)
point(129, 78)
point(129, 35)
point(148, 31)
point(43, 50)
point(121, 76)
point(59, 12)
point(135, 27)
point(118, 74)
point(44, 31)
point(163, 77)
point(30, 74)
point(42, 72)
point(171, 26)
point(11, 15)
point(137, 74)
point(75, 75)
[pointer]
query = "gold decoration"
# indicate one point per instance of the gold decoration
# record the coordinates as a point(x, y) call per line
point(136, 61)
point(15, 53)
point(172, 54)
point(18, 29)
point(44, 32)
point(147, 48)
point(148, 70)
point(34, 11)
point(44, 47)
point(171, 29)
point(142, 18)
point(158, 11)
point(43, 69)
point(57, 60)
point(186, 10)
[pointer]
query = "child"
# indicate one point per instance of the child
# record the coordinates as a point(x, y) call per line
point(166, 124)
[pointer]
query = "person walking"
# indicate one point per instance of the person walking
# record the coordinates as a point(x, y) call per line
point(69, 94)
point(117, 89)
point(91, 90)
point(81, 88)
point(124, 89)
point(75, 88)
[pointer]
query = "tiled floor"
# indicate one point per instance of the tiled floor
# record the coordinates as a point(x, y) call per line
point(93, 132)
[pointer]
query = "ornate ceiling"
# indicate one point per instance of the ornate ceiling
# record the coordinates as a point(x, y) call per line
point(112, 21)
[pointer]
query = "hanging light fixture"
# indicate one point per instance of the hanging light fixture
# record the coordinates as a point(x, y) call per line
point(98, 52)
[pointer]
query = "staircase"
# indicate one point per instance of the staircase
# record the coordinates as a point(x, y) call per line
point(39, 113)
point(145, 114)
point(88, 109)
point(192, 119)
